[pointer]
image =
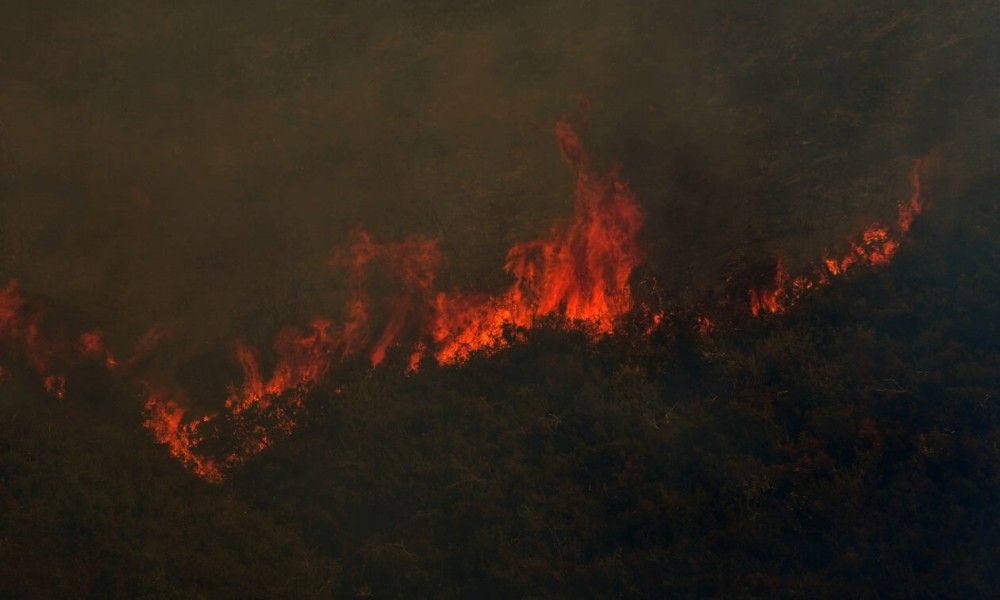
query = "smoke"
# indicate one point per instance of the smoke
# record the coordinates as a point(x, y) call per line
point(191, 167)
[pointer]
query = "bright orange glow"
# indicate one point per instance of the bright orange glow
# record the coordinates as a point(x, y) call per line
point(579, 272)
point(575, 275)
point(876, 246)
point(771, 298)
point(164, 417)
point(260, 409)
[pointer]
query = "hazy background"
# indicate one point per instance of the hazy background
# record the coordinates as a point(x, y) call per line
point(194, 163)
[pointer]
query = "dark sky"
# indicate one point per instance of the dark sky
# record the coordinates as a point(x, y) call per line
point(195, 163)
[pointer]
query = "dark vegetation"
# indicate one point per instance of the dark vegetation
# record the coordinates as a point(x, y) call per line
point(848, 448)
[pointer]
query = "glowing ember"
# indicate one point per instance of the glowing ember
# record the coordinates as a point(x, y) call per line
point(655, 320)
point(92, 346)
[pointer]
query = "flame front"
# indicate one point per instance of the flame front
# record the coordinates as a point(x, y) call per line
point(876, 246)
point(164, 418)
point(578, 273)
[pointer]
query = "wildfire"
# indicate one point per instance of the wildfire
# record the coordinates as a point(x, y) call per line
point(164, 418)
point(876, 246)
point(579, 272)
point(577, 275)
point(772, 298)
point(412, 262)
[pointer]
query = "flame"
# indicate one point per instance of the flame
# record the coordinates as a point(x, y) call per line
point(770, 299)
point(164, 418)
point(577, 275)
point(413, 262)
point(579, 272)
point(260, 409)
point(21, 329)
point(876, 246)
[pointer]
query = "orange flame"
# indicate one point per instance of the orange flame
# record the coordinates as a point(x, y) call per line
point(164, 419)
point(770, 299)
point(413, 262)
point(579, 272)
point(876, 246)
point(259, 408)
point(21, 328)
